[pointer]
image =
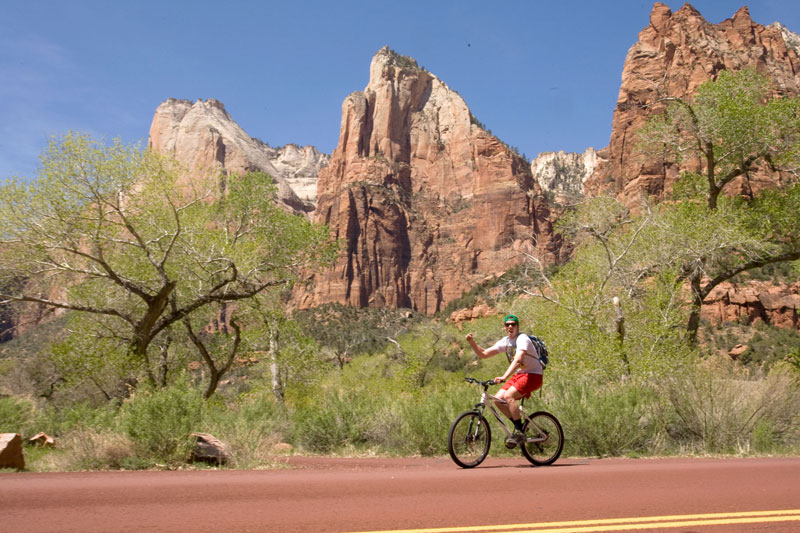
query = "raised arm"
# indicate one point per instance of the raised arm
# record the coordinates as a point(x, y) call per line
point(480, 352)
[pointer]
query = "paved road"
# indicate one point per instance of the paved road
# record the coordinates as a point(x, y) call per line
point(425, 494)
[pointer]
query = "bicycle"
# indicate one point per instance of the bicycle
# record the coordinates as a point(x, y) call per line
point(470, 436)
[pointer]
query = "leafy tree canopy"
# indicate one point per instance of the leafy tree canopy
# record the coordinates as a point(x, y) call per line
point(730, 128)
point(124, 233)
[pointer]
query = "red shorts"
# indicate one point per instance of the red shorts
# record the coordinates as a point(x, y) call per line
point(524, 383)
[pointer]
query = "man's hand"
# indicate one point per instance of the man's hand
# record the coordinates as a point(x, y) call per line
point(469, 337)
point(499, 379)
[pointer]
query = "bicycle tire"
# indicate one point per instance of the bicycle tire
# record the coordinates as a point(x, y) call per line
point(546, 452)
point(469, 439)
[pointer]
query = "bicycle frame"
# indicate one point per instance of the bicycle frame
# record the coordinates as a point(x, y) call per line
point(481, 408)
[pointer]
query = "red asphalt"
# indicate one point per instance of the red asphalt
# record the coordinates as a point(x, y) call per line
point(326, 494)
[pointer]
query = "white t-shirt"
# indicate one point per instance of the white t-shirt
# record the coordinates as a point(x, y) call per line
point(530, 361)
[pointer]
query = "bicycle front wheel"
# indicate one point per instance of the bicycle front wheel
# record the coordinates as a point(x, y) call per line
point(544, 439)
point(468, 439)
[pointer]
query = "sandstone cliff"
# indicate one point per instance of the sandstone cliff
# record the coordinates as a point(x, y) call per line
point(203, 136)
point(426, 202)
point(675, 54)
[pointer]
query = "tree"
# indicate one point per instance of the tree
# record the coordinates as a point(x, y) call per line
point(421, 348)
point(123, 233)
point(611, 307)
point(211, 345)
point(90, 354)
point(731, 128)
point(347, 331)
point(292, 356)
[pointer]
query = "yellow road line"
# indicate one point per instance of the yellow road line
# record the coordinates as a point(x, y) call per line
point(624, 524)
point(663, 525)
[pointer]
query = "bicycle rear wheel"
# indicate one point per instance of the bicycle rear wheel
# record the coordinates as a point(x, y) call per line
point(469, 439)
point(545, 439)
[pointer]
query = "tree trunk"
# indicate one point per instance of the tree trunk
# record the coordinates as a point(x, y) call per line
point(138, 349)
point(163, 362)
point(143, 330)
point(694, 315)
point(619, 325)
point(277, 383)
point(213, 382)
point(711, 178)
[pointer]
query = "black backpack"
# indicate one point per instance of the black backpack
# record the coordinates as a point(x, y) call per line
point(541, 349)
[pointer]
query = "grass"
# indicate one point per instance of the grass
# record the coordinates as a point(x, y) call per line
point(719, 407)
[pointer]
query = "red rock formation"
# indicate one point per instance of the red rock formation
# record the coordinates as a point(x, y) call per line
point(481, 310)
point(425, 202)
point(676, 53)
point(778, 306)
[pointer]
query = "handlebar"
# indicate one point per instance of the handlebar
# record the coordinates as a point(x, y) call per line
point(484, 384)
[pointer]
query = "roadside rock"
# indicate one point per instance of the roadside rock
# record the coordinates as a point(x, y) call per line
point(11, 451)
point(42, 439)
point(209, 449)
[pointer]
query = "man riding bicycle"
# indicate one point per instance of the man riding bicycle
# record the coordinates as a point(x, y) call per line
point(524, 369)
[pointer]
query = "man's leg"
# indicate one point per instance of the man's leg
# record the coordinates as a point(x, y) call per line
point(511, 407)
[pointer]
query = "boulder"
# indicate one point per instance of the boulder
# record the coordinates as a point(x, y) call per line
point(11, 451)
point(283, 448)
point(42, 439)
point(736, 352)
point(209, 449)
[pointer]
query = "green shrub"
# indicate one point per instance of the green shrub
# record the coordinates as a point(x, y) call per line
point(417, 423)
point(338, 419)
point(90, 449)
point(770, 344)
point(610, 420)
point(59, 421)
point(16, 415)
point(161, 422)
point(251, 426)
point(793, 361)
point(722, 407)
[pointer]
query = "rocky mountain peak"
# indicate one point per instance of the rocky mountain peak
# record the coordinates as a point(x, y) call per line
point(388, 57)
point(427, 202)
point(674, 55)
point(563, 174)
point(202, 135)
point(792, 39)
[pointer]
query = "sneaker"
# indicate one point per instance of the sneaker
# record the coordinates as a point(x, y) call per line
point(515, 439)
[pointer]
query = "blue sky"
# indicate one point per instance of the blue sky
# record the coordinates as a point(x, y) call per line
point(542, 75)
